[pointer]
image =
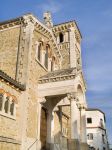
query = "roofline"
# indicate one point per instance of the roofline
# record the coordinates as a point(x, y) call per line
point(11, 81)
point(38, 21)
point(93, 109)
point(96, 109)
point(67, 23)
point(14, 19)
point(63, 23)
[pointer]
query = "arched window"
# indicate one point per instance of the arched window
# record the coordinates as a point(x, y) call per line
point(61, 37)
point(39, 51)
point(12, 108)
point(1, 101)
point(6, 106)
point(52, 63)
point(46, 57)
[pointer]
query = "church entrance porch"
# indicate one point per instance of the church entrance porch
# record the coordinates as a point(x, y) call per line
point(53, 124)
point(59, 92)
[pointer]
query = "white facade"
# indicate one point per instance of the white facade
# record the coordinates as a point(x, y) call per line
point(96, 130)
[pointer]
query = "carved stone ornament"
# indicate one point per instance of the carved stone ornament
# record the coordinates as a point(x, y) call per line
point(42, 100)
point(72, 96)
point(80, 106)
point(56, 109)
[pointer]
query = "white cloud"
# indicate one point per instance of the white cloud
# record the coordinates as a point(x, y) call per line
point(51, 6)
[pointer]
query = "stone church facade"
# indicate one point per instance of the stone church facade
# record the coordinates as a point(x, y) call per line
point(42, 88)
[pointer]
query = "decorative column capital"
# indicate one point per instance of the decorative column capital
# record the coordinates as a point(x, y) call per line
point(81, 106)
point(56, 109)
point(42, 100)
point(72, 96)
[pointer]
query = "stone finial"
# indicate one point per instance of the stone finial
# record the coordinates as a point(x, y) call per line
point(48, 19)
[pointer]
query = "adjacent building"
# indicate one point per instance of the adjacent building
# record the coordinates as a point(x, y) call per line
point(96, 130)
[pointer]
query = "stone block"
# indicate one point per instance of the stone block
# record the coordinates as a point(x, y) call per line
point(84, 146)
point(74, 144)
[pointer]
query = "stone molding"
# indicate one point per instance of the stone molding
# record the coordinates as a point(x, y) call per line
point(58, 78)
point(9, 140)
point(10, 23)
point(66, 27)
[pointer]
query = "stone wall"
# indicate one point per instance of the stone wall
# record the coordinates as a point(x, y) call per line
point(64, 50)
point(9, 40)
point(9, 146)
point(35, 70)
point(10, 128)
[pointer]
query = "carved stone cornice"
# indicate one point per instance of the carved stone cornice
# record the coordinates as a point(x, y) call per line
point(10, 23)
point(63, 27)
point(56, 79)
point(59, 75)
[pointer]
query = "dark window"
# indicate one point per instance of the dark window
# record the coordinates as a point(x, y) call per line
point(39, 51)
point(103, 138)
point(12, 108)
point(52, 63)
point(61, 37)
point(104, 148)
point(1, 101)
point(89, 120)
point(46, 57)
point(101, 123)
point(6, 106)
point(90, 136)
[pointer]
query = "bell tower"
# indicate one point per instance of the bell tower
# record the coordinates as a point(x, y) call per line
point(69, 41)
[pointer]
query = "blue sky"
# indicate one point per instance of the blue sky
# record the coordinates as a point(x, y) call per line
point(94, 18)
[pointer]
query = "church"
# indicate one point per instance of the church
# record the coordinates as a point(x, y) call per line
point(42, 87)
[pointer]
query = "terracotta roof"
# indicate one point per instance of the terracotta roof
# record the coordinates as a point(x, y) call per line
point(11, 81)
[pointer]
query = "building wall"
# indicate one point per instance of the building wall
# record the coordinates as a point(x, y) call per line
point(97, 129)
point(36, 69)
point(96, 116)
point(97, 141)
point(9, 42)
point(10, 126)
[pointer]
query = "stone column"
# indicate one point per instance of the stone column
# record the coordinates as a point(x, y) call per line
point(72, 48)
point(74, 143)
point(41, 101)
point(82, 110)
point(50, 130)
